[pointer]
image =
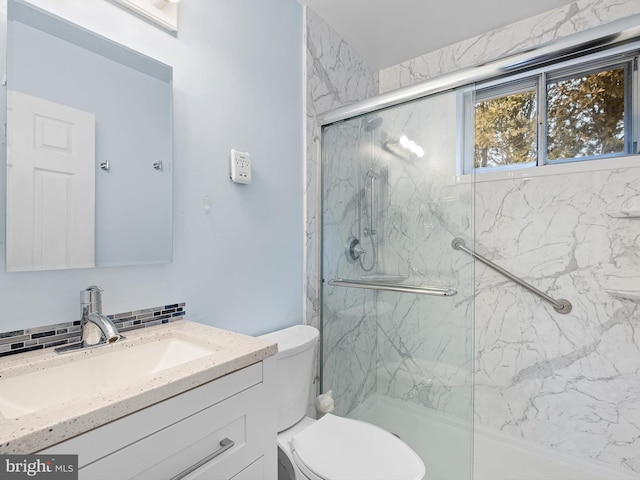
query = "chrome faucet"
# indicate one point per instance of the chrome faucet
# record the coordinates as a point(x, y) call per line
point(95, 327)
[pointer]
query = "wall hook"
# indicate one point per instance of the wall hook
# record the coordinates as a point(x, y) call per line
point(105, 165)
point(157, 165)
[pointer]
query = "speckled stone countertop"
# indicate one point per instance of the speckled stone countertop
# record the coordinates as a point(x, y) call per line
point(36, 430)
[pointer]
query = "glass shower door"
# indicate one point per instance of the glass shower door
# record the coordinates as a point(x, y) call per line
point(397, 299)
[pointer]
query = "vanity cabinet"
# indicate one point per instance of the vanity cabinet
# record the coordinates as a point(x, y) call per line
point(224, 429)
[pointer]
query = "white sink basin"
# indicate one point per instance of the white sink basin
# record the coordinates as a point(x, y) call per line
point(91, 372)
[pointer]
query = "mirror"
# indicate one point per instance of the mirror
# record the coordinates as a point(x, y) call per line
point(89, 148)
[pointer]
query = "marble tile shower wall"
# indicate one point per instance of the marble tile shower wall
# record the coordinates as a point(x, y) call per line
point(566, 381)
point(413, 347)
point(574, 17)
point(349, 315)
point(425, 342)
point(336, 75)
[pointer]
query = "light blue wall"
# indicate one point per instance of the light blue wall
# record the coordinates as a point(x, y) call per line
point(237, 84)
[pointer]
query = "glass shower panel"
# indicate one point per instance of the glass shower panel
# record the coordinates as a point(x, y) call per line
point(349, 316)
point(397, 344)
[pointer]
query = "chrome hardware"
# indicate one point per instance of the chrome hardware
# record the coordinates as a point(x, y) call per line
point(353, 250)
point(105, 165)
point(560, 305)
point(225, 444)
point(157, 165)
point(373, 207)
point(394, 287)
point(601, 36)
point(96, 329)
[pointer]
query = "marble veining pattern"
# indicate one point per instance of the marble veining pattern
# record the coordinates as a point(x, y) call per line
point(412, 347)
point(336, 75)
point(425, 342)
point(565, 381)
point(514, 38)
point(349, 315)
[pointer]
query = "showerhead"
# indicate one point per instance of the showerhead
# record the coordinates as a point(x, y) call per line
point(371, 123)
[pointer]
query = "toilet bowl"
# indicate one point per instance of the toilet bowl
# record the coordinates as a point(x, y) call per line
point(332, 448)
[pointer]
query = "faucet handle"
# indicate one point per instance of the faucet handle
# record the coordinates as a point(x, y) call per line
point(92, 297)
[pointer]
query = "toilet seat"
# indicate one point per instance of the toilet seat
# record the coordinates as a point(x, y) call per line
point(336, 448)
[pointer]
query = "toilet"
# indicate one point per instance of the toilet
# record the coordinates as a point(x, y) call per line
point(332, 448)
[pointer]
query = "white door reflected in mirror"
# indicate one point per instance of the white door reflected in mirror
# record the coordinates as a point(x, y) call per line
point(126, 216)
point(50, 185)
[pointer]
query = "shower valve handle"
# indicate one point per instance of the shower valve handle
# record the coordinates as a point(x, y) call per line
point(353, 250)
point(358, 250)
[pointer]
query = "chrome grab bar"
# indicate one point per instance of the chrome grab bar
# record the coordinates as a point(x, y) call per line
point(394, 287)
point(561, 305)
point(225, 444)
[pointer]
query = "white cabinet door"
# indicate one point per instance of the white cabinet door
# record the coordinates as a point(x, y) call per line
point(50, 185)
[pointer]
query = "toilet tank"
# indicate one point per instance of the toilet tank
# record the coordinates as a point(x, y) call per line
point(296, 348)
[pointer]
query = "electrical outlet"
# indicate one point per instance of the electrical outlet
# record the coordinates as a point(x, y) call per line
point(240, 166)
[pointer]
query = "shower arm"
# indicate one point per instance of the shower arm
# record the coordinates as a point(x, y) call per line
point(561, 305)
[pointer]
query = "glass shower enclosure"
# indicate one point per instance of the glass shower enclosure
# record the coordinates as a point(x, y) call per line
point(397, 299)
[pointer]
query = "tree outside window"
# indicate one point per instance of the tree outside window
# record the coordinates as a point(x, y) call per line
point(585, 116)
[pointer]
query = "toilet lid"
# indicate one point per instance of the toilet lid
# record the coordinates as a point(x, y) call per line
point(336, 448)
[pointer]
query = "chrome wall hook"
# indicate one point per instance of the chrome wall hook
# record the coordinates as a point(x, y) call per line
point(105, 165)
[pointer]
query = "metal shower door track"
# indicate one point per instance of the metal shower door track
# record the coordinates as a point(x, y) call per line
point(619, 31)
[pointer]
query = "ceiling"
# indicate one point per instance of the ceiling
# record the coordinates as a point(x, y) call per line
point(387, 32)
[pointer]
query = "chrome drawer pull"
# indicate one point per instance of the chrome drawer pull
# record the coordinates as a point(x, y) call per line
point(225, 444)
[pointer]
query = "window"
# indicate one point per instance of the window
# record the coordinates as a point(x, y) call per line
point(578, 110)
point(505, 128)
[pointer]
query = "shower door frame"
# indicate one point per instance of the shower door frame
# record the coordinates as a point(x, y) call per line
point(619, 31)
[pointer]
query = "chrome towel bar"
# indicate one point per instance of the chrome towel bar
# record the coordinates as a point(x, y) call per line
point(561, 305)
point(394, 287)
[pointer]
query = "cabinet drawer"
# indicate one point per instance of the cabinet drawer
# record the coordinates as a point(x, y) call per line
point(174, 449)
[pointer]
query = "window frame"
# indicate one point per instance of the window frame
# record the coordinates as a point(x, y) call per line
point(583, 63)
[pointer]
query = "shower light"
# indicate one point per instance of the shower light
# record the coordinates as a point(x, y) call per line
point(409, 145)
point(396, 149)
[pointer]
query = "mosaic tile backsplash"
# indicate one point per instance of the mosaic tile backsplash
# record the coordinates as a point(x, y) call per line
point(19, 341)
